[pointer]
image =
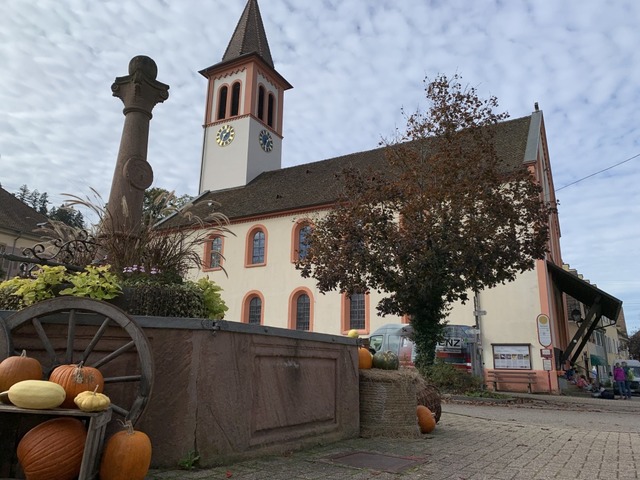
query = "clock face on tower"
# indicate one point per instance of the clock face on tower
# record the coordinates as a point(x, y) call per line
point(225, 135)
point(266, 142)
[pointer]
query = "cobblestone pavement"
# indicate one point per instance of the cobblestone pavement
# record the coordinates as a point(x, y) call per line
point(464, 447)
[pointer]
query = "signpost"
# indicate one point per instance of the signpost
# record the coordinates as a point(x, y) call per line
point(544, 330)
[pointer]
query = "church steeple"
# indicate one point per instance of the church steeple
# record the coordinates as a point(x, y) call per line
point(243, 115)
point(249, 36)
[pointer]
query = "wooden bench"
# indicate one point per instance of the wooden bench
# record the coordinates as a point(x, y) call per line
point(511, 376)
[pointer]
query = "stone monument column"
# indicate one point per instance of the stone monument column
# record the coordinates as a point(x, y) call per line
point(140, 92)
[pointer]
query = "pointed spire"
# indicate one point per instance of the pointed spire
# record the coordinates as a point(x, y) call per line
point(249, 36)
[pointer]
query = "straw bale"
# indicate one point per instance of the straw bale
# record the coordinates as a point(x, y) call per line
point(388, 403)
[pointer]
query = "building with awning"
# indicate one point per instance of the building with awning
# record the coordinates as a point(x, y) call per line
point(602, 311)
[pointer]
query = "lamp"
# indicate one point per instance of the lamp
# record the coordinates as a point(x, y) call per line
point(576, 316)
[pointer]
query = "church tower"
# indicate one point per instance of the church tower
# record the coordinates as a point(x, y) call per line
point(243, 114)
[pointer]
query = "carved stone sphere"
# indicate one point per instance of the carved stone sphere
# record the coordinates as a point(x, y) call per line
point(145, 65)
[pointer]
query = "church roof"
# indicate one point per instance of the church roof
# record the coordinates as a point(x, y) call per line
point(314, 185)
point(16, 215)
point(249, 36)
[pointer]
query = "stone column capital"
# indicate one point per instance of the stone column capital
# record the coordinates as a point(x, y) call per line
point(140, 91)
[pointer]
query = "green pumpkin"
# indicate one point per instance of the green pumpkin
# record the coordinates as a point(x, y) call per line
point(386, 360)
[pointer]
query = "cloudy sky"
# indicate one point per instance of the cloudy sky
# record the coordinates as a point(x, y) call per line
point(353, 64)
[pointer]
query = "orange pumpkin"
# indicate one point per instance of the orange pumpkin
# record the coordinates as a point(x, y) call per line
point(126, 456)
point(426, 422)
point(17, 368)
point(76, 379)
point(53, 449)
point(365, 359)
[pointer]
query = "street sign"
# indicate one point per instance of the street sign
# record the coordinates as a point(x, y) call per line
point(544, 330)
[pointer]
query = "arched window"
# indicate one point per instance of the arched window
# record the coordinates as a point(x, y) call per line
point(355, 312)
point(235, 99)
point(255, 311)
point(256, 246)
point(270, 111)
point(213, 253)
point(261, 102)
point(222, 103)
point(303, 246)
point(301, 310)
point(299, 245)
point(257, 250)
point(253, 308)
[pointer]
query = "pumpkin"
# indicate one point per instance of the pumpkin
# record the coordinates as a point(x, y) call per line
point(92, 401)
point(426, 420)
point(365, 359)
point(353, 333)
point(76, 379)
point(386, 360)
point(126, 456)
point(17, 368)
point(53, 449)
point(36, 394)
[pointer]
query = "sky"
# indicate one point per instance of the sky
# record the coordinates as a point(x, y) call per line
point(354, 65)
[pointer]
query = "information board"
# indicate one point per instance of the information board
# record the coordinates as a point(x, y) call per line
point(516, 357)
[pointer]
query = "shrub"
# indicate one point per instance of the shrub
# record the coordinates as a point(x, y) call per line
point(95, 282)
point(213, 302)
point(450, 379)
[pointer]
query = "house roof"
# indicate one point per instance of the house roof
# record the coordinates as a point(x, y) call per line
point(314, 185)
point(249, 36)
point(18, 216)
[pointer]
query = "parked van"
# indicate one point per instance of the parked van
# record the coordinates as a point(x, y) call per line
point(397, 337)
point(634, 366)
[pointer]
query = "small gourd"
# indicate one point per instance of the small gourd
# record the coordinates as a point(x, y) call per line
point(92, 401)
point(126, 455)
point(16, 368)
point(36, 394)
point(365, 359)
point(386, 360)
point(76, 379)
point(426, 420)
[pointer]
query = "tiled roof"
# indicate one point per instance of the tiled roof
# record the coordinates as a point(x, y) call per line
point(314, 184)
point(16, 215)
point(249, 36)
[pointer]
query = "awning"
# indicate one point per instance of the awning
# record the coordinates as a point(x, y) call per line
point(597, 360)
point(584, 292)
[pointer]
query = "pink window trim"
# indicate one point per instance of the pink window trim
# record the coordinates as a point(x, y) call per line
point(344, 314)
point(295, 237)
point(207, 254)
point(244, 313)
point(292, 307)
point(248, 254)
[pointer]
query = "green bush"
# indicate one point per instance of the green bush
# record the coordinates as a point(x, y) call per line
point(163, 300)
point(95, 282)
point(450, 379)
point(213, 303)
point(144, 296)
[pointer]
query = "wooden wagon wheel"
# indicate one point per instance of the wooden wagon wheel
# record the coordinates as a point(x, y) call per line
point(133, 346)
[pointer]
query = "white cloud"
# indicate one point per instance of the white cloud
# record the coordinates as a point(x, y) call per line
point(353, 65)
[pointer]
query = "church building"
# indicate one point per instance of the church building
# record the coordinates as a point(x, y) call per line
point(521, 326)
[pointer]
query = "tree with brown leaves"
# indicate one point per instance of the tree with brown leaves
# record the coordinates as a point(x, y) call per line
point(444, 218)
